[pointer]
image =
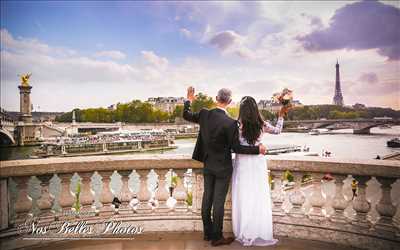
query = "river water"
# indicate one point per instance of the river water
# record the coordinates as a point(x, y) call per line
point(342, 144)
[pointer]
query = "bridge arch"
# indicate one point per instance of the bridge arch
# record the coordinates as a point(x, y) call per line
point(6, 138)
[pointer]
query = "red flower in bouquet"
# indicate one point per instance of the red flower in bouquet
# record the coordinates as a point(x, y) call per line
point(284, 98)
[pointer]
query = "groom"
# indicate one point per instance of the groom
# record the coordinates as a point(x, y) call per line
point(218, 137)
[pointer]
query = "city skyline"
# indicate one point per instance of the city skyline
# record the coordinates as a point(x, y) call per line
point(107, 53)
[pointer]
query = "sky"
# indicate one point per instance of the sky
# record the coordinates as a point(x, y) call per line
point(94, 54)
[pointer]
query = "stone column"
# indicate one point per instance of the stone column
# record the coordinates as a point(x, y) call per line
point(126, 194)
point(278, 195)
point(55, 194)
point(4, 215)
point(385, 207)
point(144, 193)
point(162, 193)
point(297, 197)
point(86, 196)
point(23, 203)
point(360, 203)
point(180, 193)
point(34, 193)
point(339, 203)
point(25, 103)
point(96, 186)
point(106, 194)
point(66, 198)
point(45, 200)
point(316, 199)
point(228, 201)
point(198, 189)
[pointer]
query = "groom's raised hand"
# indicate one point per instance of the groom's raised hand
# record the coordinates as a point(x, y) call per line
point(263, 150)
point(190, 94)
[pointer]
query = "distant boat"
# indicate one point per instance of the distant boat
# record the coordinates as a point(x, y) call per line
point(384, 126)
point(314, 132)
point(394, 143)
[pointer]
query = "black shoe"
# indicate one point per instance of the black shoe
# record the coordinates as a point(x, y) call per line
point(222, 241)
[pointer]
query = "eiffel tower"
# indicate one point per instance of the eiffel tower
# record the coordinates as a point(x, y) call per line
point(338, 98)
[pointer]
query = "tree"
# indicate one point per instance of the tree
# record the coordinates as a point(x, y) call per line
point(202, 101)
point(178, 112)
point(233, 112)
point(267, 115)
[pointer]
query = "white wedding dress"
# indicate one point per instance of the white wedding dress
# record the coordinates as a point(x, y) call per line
point(251, 196)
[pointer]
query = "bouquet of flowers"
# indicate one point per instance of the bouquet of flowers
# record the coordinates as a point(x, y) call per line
point(285, 98)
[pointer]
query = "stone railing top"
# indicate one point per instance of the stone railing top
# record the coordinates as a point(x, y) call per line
point(383, 168)
point(310, 164)
point(95, 163)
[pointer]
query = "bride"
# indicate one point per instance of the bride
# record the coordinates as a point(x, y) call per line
point(251, 198)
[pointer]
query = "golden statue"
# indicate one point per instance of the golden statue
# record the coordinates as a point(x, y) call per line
point(25, 79)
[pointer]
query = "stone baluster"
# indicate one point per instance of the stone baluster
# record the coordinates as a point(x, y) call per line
point(96, 186)
point(86, 196)
point(144, 194)
point(316, 199)
point(106, 194)
point(66, 197)
point(385, 207)
point(23, 203)
point(126, 194)
point(297, 197)
point(4, 206)
point(180, 193)
point(360, 203)
point(162, 193)
point(12, 198)
point(34, 193)
point(45, 200)
point(228, 201)
point(55, 192)
point(198, 189)
point(339, 202)
point(278, 195)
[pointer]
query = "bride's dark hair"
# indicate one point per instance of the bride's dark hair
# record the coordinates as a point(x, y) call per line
point(250, 119)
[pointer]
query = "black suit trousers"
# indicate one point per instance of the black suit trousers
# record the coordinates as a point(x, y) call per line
point(215, 190)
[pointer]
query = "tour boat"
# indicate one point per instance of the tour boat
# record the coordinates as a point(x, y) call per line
point(394, 143)
point(314, 132)
point(116, 142)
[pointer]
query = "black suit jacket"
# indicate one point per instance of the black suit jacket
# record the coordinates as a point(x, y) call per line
point(218, 137)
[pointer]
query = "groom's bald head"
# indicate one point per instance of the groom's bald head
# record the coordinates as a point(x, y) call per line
point(224, 96)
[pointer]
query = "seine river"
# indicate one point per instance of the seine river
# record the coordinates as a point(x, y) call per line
point(342, 144)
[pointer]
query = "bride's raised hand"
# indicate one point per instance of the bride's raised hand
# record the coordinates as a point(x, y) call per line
point(190, 94)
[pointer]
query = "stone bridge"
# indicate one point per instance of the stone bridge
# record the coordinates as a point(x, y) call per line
point(7, 127)
point(359, 126)
point(306, 210)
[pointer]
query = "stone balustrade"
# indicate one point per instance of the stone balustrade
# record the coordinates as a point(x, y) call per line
point(136, 188)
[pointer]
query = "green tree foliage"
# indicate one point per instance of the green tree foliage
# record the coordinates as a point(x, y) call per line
point(315, 112)
point(137, 111)
point(132, 112)
point(202, 101)
point(233, 112)
point(267, 115)
point(178, 112)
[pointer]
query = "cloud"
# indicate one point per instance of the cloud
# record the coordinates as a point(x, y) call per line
point(30, 46)
point(151, 58)
point(185, 32)
point(113, 54)
point(359, 26)
point(226, 39)
point(370, 77)
point(230, 42)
